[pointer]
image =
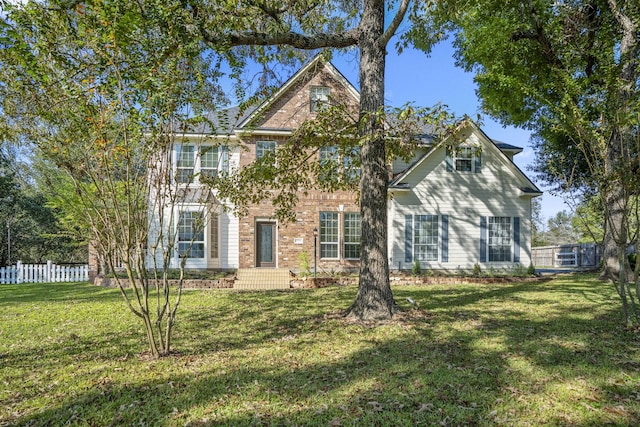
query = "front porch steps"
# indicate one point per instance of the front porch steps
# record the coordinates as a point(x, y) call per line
point(262, 279)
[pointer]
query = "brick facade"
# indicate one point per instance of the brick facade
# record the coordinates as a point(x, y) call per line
point(287, 112)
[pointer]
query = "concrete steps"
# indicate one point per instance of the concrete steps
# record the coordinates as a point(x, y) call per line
point(262, 279)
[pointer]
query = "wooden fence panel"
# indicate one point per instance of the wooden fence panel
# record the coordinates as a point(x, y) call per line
point(583, 255)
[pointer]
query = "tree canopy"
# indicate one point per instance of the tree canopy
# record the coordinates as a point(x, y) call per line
point(568, 71)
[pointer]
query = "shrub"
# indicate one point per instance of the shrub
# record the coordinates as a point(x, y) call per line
point(531, 270)
point(305, 263)
point(477, 271)
point(415, 268)
point(518, 270)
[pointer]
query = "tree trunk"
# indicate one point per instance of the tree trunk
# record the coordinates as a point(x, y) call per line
point(620, 152)
point(615, 230)
point(374, 299)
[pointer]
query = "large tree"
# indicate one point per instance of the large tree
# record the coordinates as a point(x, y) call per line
point(275, 29)
point(97, 87)
point(569, 71)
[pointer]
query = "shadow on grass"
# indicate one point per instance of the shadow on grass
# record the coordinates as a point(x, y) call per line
point(457, 362)
point(67, 292)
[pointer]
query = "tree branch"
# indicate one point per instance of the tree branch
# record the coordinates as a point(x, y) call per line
point(395, 23)
point(288, 38)
point(539, 35)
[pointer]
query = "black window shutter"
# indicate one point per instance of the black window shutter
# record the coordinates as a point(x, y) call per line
point(449, 160)
point(478, 158)
point(408, 238)
point(516, 239)
point(483, 239)
point(445, 238)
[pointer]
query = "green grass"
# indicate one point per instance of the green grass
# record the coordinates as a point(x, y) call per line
point(548, 353)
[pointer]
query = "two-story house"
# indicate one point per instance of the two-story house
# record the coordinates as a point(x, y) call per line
point(447, 209)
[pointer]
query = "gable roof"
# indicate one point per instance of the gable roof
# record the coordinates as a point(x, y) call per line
point(529, 188)
point(318, 60)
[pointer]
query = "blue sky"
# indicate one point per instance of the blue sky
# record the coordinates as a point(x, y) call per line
point(426, 80)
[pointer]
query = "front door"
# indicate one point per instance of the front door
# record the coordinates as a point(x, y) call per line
point(266, 244)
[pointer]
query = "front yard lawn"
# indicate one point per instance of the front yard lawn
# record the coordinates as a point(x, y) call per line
point(522, 353)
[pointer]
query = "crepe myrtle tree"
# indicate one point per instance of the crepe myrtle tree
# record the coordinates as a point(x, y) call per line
point(98, 89)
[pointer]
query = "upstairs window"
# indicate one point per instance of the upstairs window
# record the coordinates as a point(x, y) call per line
point(207, 161)
point(185, 164)
point(264, 148)
point(213, 160)
point(319, 96)
point(464, 159)
point(329, 162)
point(350, 164)
point(333, 168)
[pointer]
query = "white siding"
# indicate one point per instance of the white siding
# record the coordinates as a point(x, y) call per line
point(464, 197)
point(229, 225)
point(229, 250)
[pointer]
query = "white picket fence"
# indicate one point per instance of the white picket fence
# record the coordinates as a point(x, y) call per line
point(43, 273)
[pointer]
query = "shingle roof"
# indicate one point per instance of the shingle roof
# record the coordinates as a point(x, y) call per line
point(506, 147)
point(220, 122)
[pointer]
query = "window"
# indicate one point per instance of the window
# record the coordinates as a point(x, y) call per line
point(333, 169)
point(191, 235)
point(210, 161)
point(352, 234)
point(425, 238)
point(499, 230)
point(350, 162)
point(464, 159)
point(265, 147)
point(319, 96)
point(328, 235)
point(330, 163)
point(185, 164)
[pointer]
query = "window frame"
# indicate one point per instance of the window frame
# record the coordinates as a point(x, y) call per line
point(424, 245)
point(197, 152)
point(330, 159)
point(463, 160)
point(331, 230)
point(210, 171)
point(190, 241)
point(349, 171)
point(496, 252)
point(340, 167)
point(180, 176)
point(318, 97)
point(264, 147)
point(352, 230)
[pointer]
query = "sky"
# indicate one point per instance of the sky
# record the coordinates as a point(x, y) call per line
point(427, 80)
